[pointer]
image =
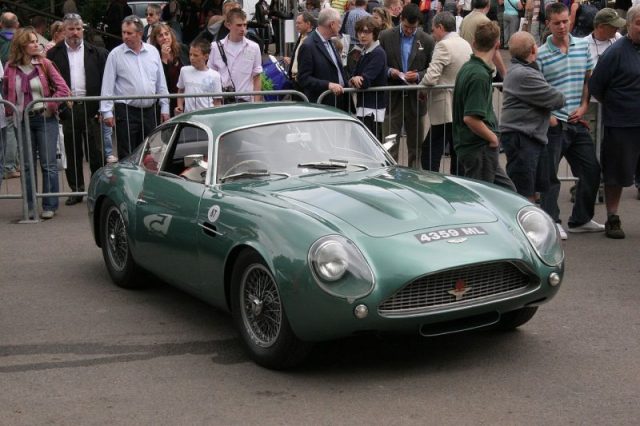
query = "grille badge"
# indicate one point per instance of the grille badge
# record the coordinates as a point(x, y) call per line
point(457, 240)
point(460, 289)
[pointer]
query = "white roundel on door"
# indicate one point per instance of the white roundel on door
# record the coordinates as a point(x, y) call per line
point(213, 214)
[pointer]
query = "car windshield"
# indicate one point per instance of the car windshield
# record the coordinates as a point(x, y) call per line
point(298, 148)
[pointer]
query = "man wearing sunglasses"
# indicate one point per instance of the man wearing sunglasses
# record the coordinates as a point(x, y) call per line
point(153, 17)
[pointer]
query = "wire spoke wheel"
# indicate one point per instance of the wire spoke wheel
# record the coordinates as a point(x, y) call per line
point(116, 239)
point(261, 305)
point(116, 249)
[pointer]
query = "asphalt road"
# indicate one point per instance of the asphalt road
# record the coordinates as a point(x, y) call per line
point(74, 349)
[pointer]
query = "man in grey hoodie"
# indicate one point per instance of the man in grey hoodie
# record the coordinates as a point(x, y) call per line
point(527, 104)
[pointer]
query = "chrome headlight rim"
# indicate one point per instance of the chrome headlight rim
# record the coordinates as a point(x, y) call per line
point(553, 236)
point(356, 267)
point(340, 260)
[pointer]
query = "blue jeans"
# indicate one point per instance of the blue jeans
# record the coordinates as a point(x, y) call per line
point(573, 142)
point(44, 142)
point(107, 133)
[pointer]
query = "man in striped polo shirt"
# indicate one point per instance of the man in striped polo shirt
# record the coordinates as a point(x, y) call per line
point(566, 64)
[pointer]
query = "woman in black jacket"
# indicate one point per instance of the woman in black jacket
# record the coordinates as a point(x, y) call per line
point(370, 71)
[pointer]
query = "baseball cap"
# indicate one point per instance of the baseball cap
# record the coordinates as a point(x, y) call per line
point(609, 16)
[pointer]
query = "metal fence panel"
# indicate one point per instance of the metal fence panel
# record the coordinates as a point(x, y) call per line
point(86, 139)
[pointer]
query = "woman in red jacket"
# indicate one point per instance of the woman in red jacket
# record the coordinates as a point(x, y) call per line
point(29, 76)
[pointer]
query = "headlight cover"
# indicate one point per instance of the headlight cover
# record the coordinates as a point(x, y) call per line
point(339, 267)
point(542, 234)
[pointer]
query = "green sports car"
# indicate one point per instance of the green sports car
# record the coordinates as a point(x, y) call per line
point(294, 218)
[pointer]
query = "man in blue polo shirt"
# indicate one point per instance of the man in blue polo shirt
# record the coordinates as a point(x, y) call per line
point(566, 64)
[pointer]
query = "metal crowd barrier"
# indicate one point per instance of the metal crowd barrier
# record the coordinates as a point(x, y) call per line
point(437, 158)
point(12, 138)
point(74, 151)
point(429, 156)
point(80, 151)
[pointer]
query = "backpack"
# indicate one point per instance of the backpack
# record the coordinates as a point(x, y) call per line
point(584, 17)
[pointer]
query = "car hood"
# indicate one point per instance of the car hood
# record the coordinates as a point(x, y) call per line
point(391, 202)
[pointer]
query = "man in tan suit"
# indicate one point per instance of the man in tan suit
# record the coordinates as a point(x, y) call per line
point(450, 53)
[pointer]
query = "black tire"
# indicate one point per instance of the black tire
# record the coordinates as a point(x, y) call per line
point(115, 248)
point(514, 319)
point(260, 318)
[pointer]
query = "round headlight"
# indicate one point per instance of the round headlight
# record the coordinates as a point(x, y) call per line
point(339, 268)
point(331, 261)
point(542, 234)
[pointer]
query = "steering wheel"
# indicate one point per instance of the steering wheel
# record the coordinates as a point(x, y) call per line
point(261, 164)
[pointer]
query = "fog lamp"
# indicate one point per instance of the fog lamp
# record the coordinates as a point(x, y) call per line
point(361, 311)
point(554, 279)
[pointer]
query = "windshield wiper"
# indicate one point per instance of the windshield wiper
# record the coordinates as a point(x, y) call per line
point(322, 165)
point(330, 165)
point(253, 173)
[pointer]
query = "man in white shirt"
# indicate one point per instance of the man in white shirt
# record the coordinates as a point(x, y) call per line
point(606, 26)
point(81, 65)
point(237, 59)
point(133, 69)
point(464, 7)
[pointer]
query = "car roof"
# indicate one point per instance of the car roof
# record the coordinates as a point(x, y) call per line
point(225, 118)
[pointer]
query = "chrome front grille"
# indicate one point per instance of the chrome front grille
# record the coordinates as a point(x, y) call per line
point(454, 287)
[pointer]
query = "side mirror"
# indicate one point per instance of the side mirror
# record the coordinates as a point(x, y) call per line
point(389, 141)
point(193, 160)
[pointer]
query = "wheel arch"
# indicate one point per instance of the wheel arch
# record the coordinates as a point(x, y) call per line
point(97, 212)
point(230, 264)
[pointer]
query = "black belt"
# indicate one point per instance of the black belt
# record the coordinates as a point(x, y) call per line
point(134, 107)
point(35, 112)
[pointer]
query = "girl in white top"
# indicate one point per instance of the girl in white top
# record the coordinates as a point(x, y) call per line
point(198, 78)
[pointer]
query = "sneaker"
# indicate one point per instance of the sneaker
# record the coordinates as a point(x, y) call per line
point(73, 200)
point(613, 227)
point(590, 226)
point(561, 231)
point(112, 159)
point(12, 175)
point(47, 214)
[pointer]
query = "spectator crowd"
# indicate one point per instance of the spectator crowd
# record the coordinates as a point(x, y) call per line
point(569, 59)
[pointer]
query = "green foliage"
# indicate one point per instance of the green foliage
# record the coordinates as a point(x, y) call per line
point(93, 10)
point(266, 82)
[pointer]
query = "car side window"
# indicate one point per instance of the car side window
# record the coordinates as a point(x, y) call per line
point(156, 148)
point(188, 156)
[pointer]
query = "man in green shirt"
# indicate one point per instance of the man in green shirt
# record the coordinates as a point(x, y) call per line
point(474, 121)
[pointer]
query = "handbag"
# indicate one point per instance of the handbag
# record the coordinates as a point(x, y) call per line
point(61, 157)
point(52, 83)
point(520, 11)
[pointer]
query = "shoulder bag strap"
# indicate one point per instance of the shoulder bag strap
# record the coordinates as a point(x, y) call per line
point(226, 64)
